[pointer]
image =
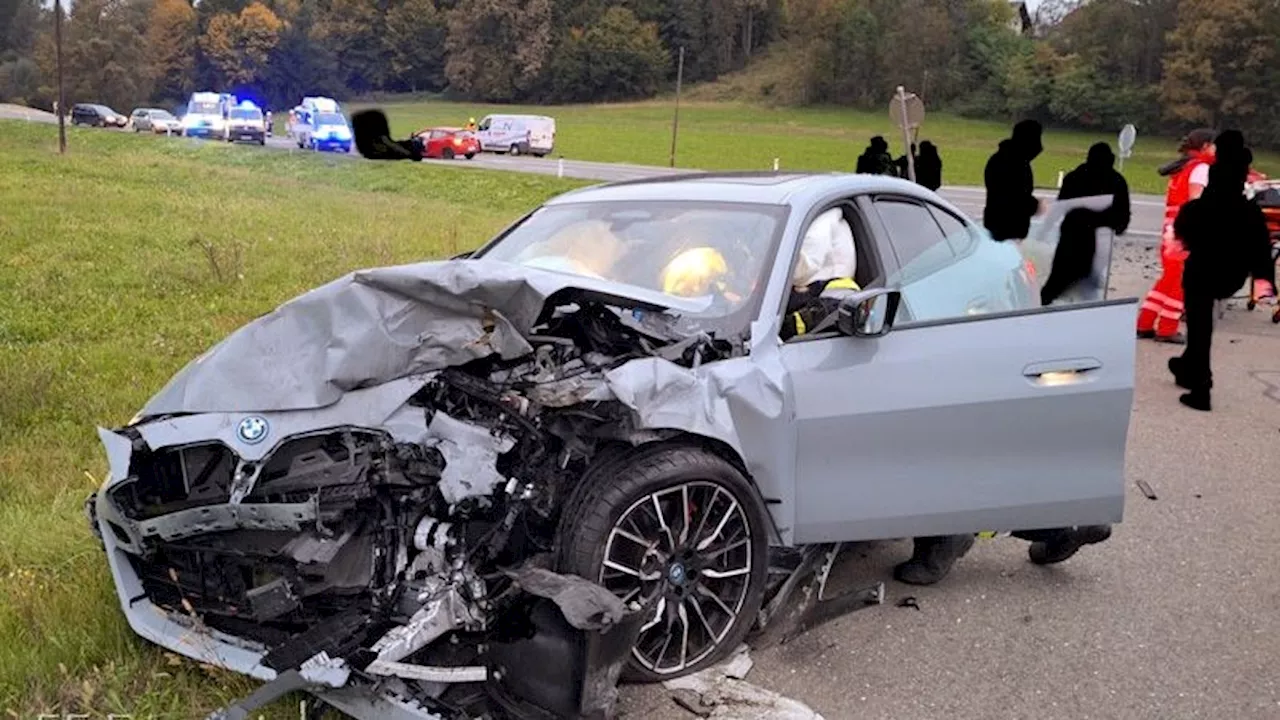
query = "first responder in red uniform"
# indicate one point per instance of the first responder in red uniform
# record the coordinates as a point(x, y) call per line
point(1163, 308)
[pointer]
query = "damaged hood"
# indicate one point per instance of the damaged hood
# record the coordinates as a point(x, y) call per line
point(373, 326)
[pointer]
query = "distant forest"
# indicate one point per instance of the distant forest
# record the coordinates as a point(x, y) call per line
point(1161, 64)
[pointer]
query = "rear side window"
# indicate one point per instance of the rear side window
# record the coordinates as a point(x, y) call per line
point(917, 240)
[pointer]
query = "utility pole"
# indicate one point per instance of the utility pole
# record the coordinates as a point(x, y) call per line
point(675, 122)
point(61, 110)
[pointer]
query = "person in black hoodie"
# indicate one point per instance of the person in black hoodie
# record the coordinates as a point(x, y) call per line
point(1011, 202)
point(876, 160)
point(929, 166)
point(1077, 241)
point(1227, 242)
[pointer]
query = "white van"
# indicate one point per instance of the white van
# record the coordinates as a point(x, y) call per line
point(517, 134)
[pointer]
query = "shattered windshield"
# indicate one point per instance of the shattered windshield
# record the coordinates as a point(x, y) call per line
point(714, 251)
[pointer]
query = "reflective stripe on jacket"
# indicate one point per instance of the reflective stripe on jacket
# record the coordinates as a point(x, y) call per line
point(833, 287)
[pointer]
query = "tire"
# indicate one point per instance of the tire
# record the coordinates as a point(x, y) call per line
point(447, 153)
point(621, 500)
point(513, 151)
point(469, 155)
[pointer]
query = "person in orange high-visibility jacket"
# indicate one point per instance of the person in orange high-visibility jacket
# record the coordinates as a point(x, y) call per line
point(1163, 307)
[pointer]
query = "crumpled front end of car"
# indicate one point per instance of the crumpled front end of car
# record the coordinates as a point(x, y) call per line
point(392, 552)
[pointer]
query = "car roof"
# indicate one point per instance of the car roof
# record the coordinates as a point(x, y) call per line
point(771, 188)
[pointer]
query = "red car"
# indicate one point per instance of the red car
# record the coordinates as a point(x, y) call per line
point(448, 143)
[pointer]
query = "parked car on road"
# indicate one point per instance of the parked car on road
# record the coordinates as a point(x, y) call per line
point(154, 120)
point(448, 143)
point(404, 482)
point(97, 116)
point(517, 134)
point(246, 122)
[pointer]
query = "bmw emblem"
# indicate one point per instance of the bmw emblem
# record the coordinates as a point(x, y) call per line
point(676, 574)
point(253, 430)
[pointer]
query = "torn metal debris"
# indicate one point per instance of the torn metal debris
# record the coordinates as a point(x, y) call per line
point(722, 692)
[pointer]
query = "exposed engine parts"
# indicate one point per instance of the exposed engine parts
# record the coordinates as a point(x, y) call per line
point(424, 562)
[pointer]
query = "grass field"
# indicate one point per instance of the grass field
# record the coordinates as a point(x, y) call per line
point(118, 264)
point(731, 136)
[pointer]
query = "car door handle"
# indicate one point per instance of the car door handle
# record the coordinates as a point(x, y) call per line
point(1055, 373)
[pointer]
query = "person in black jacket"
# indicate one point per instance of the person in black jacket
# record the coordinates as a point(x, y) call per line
point(1227, 242)
point(929, 166)
point(876, 160)
point(1078, 238)
point(1011, 202)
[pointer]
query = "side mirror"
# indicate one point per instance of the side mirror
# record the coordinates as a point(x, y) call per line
point(869, 313)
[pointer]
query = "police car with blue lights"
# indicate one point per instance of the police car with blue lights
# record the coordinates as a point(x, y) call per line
point(246, 122)
point(318, 124)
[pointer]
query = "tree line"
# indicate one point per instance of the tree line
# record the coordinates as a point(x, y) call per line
point(127, 52)
point(1160, 64)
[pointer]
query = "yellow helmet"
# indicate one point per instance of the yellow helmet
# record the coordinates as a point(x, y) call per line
point(694, 272)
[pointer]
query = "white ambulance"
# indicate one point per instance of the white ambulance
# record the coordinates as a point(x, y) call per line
point(206, 115)
point(517, 134)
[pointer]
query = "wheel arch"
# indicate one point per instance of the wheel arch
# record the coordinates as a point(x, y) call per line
point(642, 443)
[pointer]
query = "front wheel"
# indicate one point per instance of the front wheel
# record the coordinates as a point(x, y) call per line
point(469, 155)
point(514, 150)
point(684, 528)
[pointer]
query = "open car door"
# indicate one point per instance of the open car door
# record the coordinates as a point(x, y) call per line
point(1002, 422)
point(1007, 420)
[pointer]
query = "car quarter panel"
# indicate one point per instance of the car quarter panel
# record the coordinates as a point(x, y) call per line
point(1007, 422)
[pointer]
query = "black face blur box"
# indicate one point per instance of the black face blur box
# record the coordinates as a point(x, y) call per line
point(373, 138)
